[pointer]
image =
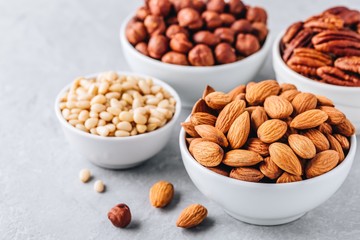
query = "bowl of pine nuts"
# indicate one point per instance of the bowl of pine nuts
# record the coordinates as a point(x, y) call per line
point(117, 119)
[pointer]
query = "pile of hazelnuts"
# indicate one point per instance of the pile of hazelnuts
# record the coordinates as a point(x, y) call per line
point(197, 32)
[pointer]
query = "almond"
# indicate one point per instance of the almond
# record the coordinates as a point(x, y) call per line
point(270, 169)
point(320, 141)
point(189, 140)
point(246, 174)
point(335, 116)
point(241, 158)
point(208, 89)
point(344, 142)
point(272, 130)
point(191, 216)
point(287, 178)
point(258, 117)
point(256, 145)
point(345, 128)
point(287, 86)
point(302, 146)
point(236, 91)
point(322, 163)
point(304, 102)
point(325, 128)
point(228, 115)
point(240, 96)
point(194, 142)
point(335, 145)
point(200, 106)
point(239, 131)
point(189, 129)
point(208, 154)
point(289, 95)
point(284, 157)
point(161, 194)
point(212, 134)
point(217, 100)
point(309, 119)
point(219, 170)
point(278, 107)
point(324, 101)
point(200, 118)
point(257, 93)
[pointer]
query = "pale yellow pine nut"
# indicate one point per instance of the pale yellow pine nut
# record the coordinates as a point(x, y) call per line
point(152, 101)
point(83, 97)
point(115, 120)
point(74, 122)
point(103, 87)
point(149, 82)
point(151, 127)
point(80, 91)
point(75, 110)
point(155, 120)
point(116, 87)
point(93, 114)
point(168, 114)
point(126, 116)
point(156, 89)
point(136, 103)
point(99, 186)
point(172, 101)
point(93, 131)
point(101, 123)
point(63, 98)
point(127, 97)
point(91, 123)
point(116, 103)
point(85, 83)
point(139, 118)
point(81, 127)
point(111, 127)
point(98, 99)
point(159, 96)
point(163, 103)
point(106, 116)
point(84, 104)
point(97, 107)
point(166, 94)
point(157, 114)
point(163, 122)
point(62, 105)
point(73, 116)
point(83, 115)
point(102, 131)
point(133, 132)
point(114, 110)
point(71, 105)
point(141, 128)
point(93, 89)
point(141, 110)
point(65, 113)
point(111, 95)
point(144, 87)
point(121, 133)
point(111, 76)
point(125, 126)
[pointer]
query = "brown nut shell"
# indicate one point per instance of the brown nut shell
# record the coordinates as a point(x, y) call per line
point(135, 32)
point(158, 46)
point(180, 43)
point(175, 58)
point(206, 37)
point(224, 53)
point(159, 7)
point(201, 55)
point(247, 44)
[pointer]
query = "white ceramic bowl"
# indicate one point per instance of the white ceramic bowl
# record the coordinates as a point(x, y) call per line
point(190, 81)
point(347, 99)
point(263, 203)
point(119, 152)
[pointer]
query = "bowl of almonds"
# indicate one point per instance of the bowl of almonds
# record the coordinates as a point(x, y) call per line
point(322, 55)
point(267, 153)
point(117, 119)
point(195, 42)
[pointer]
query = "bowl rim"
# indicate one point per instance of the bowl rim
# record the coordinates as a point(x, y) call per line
point(156, 81)
point(125, 43)
point(280, 62)
point(189, 157)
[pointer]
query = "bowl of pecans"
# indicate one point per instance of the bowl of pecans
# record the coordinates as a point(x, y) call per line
point(193, 43)
point(267, 153)
point(117, 119)
point(322, 55)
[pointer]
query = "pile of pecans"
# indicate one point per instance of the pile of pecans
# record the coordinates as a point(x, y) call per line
point(113, 105)
point(197, 32)
point(266, 132)
point(325, 47)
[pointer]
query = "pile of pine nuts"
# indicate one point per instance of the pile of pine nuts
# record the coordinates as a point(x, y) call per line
point(116, 105)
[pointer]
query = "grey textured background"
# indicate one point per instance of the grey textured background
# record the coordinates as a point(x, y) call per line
point(45, 45)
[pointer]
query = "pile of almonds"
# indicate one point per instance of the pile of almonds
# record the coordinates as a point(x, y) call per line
point(197, 32)
point(266, 132)
point(325, 47)
point(116, 105)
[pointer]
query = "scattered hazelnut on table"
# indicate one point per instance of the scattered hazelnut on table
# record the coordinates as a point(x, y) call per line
point(158, 46)
point(155, 25)
point(247, 44)
point(180, 43)
point(201, 55)
point(175, 58)
point(224, 53)
point(190, 18)
point(120, 215)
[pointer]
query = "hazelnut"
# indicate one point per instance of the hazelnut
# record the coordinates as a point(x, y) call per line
point(225, 34)
point(120, 215)
point(172, 20)
point(135, 32)
point(211, 19)
point(224, 53)
point(142, 47)
point(216, 5)
point(175, 58)
point(241, 26)
point(155, 25)
point(227, 19)
point(201, 55)
point(260, 30)
point(142, 13)
point(180, 43)
point(159, 7)
point(174, 29)
point(199, 5)
point(158, 46)
point(256, 14)
point(247, 44)
point(236, 7)
point(180, 4)
point(190, 18)
point(206, 37)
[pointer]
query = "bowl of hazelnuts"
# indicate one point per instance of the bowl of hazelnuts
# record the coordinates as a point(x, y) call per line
point(194, 43)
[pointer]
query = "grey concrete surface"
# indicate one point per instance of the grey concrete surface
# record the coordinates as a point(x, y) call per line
point(43, 46)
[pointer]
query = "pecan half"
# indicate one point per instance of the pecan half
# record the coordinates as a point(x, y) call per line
point(340, 42)
point(306, 61)
point(351, 64)
point(324, 21)
point(291, 32)
point(350, 17)
point(302, 39)
point(336, 76)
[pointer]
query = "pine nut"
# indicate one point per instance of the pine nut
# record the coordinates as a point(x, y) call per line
point(91, 123)
point(125, 126)
point(139, 118)
point(106, 116)
point(99, 186)
point(121, 133)
point(126, 116)
point(102, 131)
point(97, 107)
point(141, 128)
point(81, 127)
point(83, 115)
point(101, 99)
